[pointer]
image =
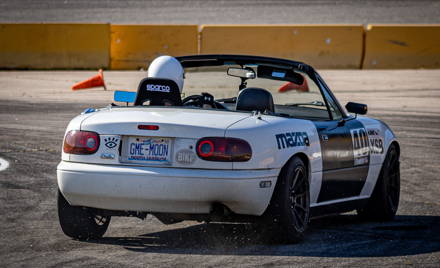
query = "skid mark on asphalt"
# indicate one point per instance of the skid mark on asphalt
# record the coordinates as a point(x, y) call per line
point(10, 185)
point(3, 164)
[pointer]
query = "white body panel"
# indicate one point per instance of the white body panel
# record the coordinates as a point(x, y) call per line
point(117, 120)
point(102, 181)
point(184, 126)
point(260, 132)
point(75, 123)
point(172, 190)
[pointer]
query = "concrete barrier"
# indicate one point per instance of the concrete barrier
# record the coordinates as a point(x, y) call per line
point(322, 46)
point(54, 46)
point(93, 46)
point(134, 46)
point(402, 46)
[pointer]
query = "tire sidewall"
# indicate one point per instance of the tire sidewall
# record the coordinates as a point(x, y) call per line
point(390, 209)
point(378, 207)
point(79, 222)
point(280, 208)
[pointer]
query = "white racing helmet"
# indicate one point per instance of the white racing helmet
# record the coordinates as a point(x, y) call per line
point(167, 67)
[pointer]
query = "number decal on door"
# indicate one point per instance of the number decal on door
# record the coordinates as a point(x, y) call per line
point(361, 148)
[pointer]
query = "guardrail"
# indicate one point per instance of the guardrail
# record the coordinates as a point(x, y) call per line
point(128, 47)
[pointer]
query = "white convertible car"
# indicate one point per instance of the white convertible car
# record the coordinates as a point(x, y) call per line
point(269, 144)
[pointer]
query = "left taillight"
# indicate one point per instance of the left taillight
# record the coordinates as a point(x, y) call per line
point(81, 142)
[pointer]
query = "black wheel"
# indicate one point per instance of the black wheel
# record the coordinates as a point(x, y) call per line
point(384, 201)
point(80, 222)
point(289, 210)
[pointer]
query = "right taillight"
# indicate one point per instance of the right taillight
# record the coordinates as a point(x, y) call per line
point(223, 149)
point(81, 142)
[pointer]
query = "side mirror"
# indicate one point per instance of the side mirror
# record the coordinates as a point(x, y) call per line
point(124, 96)
point(356, 108)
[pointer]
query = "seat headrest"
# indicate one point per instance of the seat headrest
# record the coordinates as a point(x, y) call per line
point(159, 92)
point(255, 99)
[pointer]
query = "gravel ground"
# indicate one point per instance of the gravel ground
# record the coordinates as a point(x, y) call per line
point(35, 108)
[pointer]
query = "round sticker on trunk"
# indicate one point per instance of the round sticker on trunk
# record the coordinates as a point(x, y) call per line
point(185, 156)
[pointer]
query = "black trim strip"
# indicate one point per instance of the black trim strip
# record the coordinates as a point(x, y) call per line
point(336, 208)
point(219, 60)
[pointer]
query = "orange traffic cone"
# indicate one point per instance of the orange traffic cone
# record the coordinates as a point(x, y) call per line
point(95, 81)
point(304, 87)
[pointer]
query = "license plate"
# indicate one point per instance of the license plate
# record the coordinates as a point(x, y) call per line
point(147, 150)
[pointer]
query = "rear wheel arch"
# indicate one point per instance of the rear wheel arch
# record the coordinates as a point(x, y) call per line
point(287, 215)
point(80, 222)
point(397, 146)
point(384, 201)
point(303, 157)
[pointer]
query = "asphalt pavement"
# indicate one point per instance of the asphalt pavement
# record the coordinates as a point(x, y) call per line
point(222, 11)
point(35, 108)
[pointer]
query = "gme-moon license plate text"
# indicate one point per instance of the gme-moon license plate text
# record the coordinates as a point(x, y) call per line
point(155, 150)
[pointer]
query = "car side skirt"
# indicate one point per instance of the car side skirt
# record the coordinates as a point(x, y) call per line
point(336, 208)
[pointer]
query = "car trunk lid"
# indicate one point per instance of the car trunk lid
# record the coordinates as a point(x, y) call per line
point(184, 123)
point(169, 140)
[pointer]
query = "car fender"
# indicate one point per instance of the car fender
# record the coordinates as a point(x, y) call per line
point(380, 137)
point(274, 140)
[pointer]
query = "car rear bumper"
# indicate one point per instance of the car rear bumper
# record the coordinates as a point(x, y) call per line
point(170, 190)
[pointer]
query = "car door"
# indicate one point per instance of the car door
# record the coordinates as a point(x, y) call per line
point(344, 151)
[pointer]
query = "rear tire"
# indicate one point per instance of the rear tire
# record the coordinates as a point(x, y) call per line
point(80, 222)
point(289, 209)
point(383, 203)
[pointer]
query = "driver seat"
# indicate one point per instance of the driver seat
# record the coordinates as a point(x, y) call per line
point(255, 99)
point(160, 92)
